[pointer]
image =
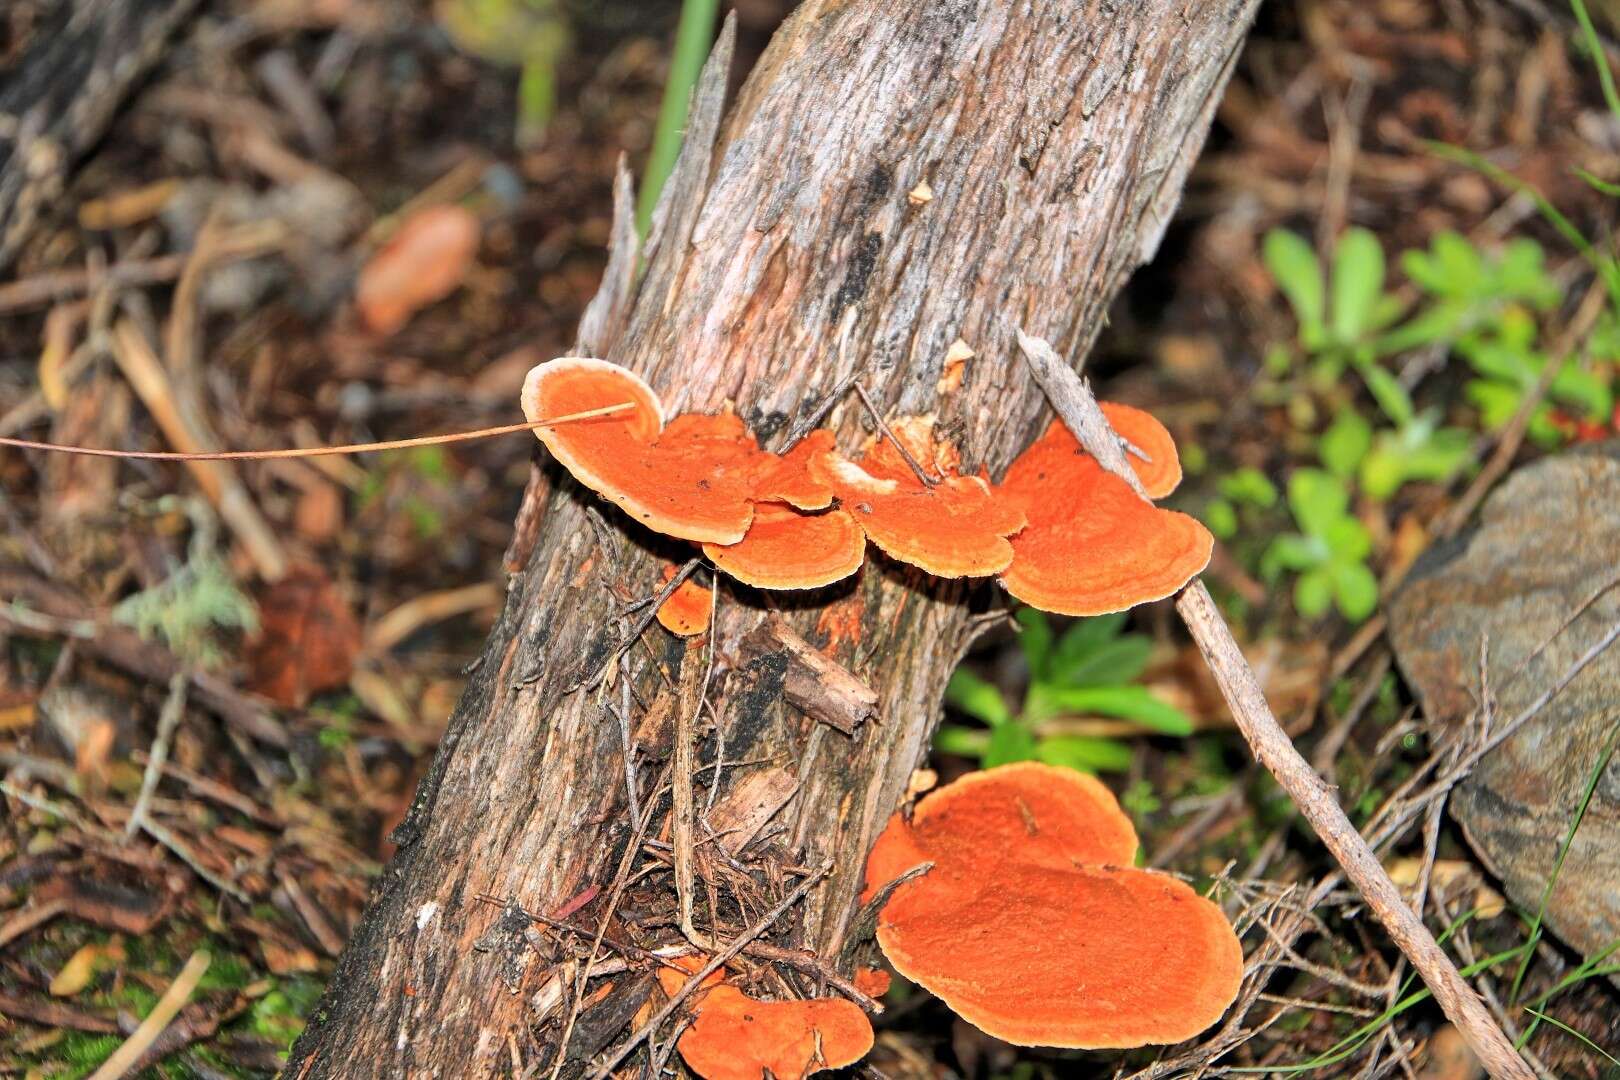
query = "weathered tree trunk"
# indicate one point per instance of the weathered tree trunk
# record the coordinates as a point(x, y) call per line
point(61, 94)
point(1055, 138)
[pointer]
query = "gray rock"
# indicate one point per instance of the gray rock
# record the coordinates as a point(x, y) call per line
point(1548, 539)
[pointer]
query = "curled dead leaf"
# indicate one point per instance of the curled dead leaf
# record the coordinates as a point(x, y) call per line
point(308, 639)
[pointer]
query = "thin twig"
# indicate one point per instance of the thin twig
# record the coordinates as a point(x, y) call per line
point(703, 694)
point(315, 451)
point(716, 962)
point(173, 709)
point(621, 878)
point(179, 992)
point(1272, 747)
point(628, 749)
point(882, 426)
point(682, 811)
point(173, 843)
point(844, 386)
point(648, 614)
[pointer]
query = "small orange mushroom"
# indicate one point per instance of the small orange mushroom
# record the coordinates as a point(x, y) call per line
point(957, 527)
point(787, 549)
point(1092, 545)
point(1032, 926)
point(692, 480)
point(686, 613)
point(736, 1037)
point(671, 978)
point(871, 981)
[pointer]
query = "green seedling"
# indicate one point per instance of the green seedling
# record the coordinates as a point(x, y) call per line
point(197, 605)
point(1509, 367)
point(1090, 669)
point(530, 35)
point(1242, 488)
point(1340, 313)
point(1329, 553)
point(1465, 289)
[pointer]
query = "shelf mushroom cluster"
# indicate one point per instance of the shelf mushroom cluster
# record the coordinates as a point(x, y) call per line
point(1061, 532)
point(1032, 923)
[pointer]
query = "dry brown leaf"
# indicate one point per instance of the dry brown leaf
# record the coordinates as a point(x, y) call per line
point(81, 967)
point(424, 262)
point(284, 960)
point(16, 716)
point(307, 641)
point(318, 515)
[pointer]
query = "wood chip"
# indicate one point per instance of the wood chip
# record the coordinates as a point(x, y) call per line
point(814, 683)
point(752, 801)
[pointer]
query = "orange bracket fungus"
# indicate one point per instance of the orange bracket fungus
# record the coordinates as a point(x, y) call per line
point(686, 612)
point(692, 480)
point(736, 1037)
point(787, 549)
point(1032, 924)
point(1065, 534)
point(955, 527)
point(788, 478)
point(1091, 545)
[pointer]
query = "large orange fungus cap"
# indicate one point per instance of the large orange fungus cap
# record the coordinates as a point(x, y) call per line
point(1092, 545)
point(787, 549)
point(1033, 926)
point(736, 1037)
point(955, 528)
point(693, 480)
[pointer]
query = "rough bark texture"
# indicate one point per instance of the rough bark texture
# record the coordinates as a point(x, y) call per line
point(1055, 138)
point(58, 99)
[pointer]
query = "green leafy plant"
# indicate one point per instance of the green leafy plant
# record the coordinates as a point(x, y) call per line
point(1329, 553)
point(1341, 312)
point(1090, 669)
point(1244, 487)
point(1464, 288)
point(1509, 367)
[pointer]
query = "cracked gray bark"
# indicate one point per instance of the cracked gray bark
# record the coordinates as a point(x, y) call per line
point(1056, 139)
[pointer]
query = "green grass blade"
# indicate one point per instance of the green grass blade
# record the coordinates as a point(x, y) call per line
point(1561, 1026)
point(693, 37)
point(1600, 58)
